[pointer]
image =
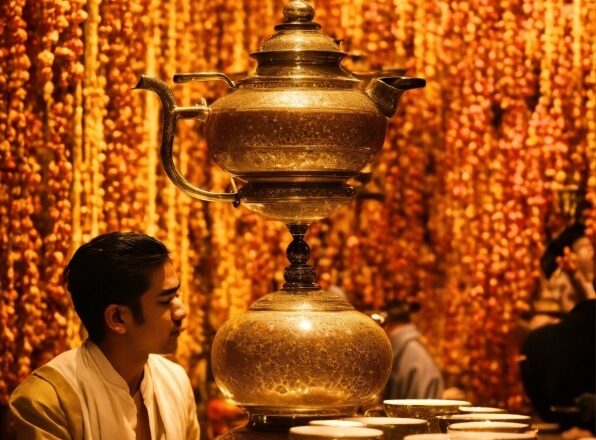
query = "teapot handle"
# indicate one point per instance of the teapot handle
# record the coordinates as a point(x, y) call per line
point(203, 76)
point(171, 115)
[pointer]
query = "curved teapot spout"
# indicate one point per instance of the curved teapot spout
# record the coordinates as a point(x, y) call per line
point(161, 89)
point(386, 91)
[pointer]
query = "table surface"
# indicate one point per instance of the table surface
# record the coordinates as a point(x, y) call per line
point(243, 434)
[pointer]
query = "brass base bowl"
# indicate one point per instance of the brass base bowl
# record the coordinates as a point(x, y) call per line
point(301, 354)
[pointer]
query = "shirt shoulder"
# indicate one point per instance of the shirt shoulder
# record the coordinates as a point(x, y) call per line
point(45, 405)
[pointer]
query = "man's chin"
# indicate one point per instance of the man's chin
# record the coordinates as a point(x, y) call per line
point(169, 349)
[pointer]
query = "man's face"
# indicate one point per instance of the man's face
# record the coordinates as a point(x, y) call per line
point(163, 313)
point(559, 288)
point(584, 251)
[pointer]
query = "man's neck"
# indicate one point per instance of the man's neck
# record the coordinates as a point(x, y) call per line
point(127, 363)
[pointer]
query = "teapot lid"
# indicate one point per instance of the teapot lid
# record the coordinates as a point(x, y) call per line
point(298, 38)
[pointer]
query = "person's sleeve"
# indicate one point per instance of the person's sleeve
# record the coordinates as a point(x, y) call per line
point(421, 378)
point(532, 369)
point(36, 411)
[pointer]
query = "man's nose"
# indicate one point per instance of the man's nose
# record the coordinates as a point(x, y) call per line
point(178, 310)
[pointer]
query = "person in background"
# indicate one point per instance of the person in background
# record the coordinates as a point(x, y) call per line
point(414, 374)
point(126, 292)
point(558, 365)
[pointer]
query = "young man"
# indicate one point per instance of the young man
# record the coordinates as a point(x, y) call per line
point(124, 289)
point(559, 360)
point(568, 265)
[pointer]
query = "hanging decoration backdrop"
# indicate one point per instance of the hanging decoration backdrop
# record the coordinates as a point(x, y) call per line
point(473, 170)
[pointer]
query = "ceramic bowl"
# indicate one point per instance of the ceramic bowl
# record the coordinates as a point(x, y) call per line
point(395, 428)
point(467, 435)
point(481, 409)
point(445, 421)
point(427, 437)
point(487, 426)
point(427, 409)
point(337, 423)
point(312, 432)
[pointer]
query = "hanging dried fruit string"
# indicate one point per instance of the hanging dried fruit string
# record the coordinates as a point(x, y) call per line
point(589, 68)
point(121, 30)
point(16, 215)
point(412, 135)
point(518, 265)
point(190, 342)
point(63, 45)
point(23, 128)
point(443, 224)
point(94, 146)
point(374, 238)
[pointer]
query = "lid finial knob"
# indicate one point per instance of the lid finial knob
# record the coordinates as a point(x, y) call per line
point(298, 11)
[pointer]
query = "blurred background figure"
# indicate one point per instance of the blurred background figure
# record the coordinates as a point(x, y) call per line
point(414, 374)
point(558, 364)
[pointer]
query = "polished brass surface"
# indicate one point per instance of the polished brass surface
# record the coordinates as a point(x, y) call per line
point(302, 203)
point(301, 354)
point(300, 119)
point(275, 134)
point(291, 135)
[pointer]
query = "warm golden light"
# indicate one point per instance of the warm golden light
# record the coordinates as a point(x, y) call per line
point(470, 168)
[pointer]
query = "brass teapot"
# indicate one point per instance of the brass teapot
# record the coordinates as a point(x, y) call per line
point(293, 132)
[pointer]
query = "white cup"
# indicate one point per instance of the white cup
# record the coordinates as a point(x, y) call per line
point(487, 426)
point(481, 409)
point(427, 437)
point(395, 428)
point(337, 423)
point(445, 421)
point(313, 432)
point(467, 435)
point(427, 409)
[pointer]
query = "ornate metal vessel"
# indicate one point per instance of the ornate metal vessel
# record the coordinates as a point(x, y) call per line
point(291, 135)
point(293, 132)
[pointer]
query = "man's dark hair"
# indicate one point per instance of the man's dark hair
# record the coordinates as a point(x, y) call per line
point(556, 248)
point(112, 268)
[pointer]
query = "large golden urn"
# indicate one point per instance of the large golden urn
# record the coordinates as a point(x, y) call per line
point(291, 135)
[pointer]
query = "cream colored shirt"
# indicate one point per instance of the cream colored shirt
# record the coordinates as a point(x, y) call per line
point(79, 395)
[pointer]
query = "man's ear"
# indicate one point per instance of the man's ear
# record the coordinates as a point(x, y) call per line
point(115, 319)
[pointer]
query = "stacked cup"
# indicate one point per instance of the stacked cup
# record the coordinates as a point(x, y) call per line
point(446, 421)
point(391, 428)
point(413, 419)
point(456, 419)
point(426, 409)
point(475, 436)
